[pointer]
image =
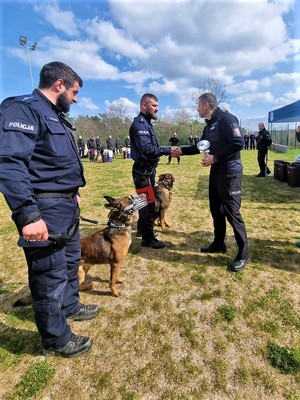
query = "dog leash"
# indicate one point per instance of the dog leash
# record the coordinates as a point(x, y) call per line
point(92, 221)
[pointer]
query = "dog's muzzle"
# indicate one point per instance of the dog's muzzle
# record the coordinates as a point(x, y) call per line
point(138, 202)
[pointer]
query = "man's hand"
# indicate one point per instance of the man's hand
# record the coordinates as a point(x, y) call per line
point(79, 200)
point(35, 232)
point(207, 160)
point(175, 151)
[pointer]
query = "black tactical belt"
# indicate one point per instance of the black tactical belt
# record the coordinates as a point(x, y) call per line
point(41, 195)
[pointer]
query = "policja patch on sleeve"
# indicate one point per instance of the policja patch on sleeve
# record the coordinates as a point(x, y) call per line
point(143, 133)
point(20, 126)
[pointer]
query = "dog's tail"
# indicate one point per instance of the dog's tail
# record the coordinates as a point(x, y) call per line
point(26, 300)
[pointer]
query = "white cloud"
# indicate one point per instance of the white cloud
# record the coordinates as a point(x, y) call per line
point(64, 21)
point(86, 103)
point(132, 109)
point(165, 87)
point(249, 98)
point(113, 39)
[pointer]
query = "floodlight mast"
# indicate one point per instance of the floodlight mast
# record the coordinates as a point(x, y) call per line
point(23, 42)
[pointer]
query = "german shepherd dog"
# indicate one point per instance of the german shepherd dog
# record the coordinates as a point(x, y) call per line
point(163, 198)
point(107, 246)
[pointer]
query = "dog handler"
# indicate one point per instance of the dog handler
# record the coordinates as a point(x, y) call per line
point(40, 173)
point(146, 152)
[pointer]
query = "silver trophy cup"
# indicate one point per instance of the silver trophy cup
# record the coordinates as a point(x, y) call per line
point(203, 146)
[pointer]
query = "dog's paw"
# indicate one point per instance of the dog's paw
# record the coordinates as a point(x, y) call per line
point(120, 280)
point(115, 292)
point(86, 286)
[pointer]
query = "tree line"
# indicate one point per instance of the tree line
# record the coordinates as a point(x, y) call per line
point(115, 120)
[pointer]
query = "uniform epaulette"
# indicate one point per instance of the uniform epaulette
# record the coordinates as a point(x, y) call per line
point(27, 98)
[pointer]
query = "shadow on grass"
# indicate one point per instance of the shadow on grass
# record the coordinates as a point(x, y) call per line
point(273, 254)
point(19, 341)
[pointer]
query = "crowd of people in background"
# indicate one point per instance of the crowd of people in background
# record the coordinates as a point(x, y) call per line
point(93, 148)
point(250, 141)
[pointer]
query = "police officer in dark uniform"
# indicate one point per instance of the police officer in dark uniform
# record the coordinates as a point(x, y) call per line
point(225, 181)
point(40, 173)
point(81, 146)
point(109, 143)
point(127, 142)
point(145, 152)
point(246, 140)
point(174, 140)
point(252, 141)
point(263, 141)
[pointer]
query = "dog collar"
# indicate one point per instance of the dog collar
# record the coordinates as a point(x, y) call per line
point(111, 224)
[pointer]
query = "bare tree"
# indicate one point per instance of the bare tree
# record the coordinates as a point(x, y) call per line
point(87, 127)
point(114, 118)
point(214, 86)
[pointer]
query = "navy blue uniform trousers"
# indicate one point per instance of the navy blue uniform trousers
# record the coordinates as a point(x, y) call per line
point(225, 201)
point(144, 178)
point(53, 272)
point(261, 159)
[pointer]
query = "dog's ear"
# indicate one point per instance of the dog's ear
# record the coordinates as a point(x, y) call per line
point(109, 206)
point(109, 199)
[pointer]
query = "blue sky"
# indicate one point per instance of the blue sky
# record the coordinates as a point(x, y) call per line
point(124, 48)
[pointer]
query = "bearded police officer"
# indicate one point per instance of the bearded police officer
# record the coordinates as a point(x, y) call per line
point(146, 152)
point(225, 181)
point(40, 173)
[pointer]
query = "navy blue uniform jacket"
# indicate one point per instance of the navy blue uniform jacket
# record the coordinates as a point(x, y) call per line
point(143, 140)
point(37, 154)
point(226, 141)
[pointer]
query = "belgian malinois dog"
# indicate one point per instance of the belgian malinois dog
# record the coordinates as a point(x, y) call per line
point(163, 198)
point(107, 246)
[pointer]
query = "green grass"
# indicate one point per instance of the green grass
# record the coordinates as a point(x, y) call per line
point(184, 327)
point(34, 380)
point(227, 312)
point(287, 360)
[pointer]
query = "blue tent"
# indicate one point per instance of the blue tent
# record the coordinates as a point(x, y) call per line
point(289, 113)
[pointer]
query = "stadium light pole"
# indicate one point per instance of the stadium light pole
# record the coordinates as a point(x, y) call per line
point(23, 42)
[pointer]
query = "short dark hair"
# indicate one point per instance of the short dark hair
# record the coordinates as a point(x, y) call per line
point(209, 98)
point(58, 70)
point(147, 96)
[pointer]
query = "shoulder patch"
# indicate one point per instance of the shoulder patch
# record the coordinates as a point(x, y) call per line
point(141, 133)
point(24, 127)
point(235, 129)
point(26, 99)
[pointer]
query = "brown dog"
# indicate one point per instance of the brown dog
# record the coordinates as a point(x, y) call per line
point(110, 245)
point(107, 246)
point(163, 198)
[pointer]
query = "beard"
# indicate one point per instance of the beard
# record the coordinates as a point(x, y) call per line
point(152, 115)
point(63, 103)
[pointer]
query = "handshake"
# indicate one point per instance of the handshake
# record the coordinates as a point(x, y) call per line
point(175, 151)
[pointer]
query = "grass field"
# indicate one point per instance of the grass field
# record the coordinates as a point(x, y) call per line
point(185, 328)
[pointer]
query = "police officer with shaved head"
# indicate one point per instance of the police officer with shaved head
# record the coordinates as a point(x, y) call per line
point(40, 174)
point(146, 153)
point(225, 180)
